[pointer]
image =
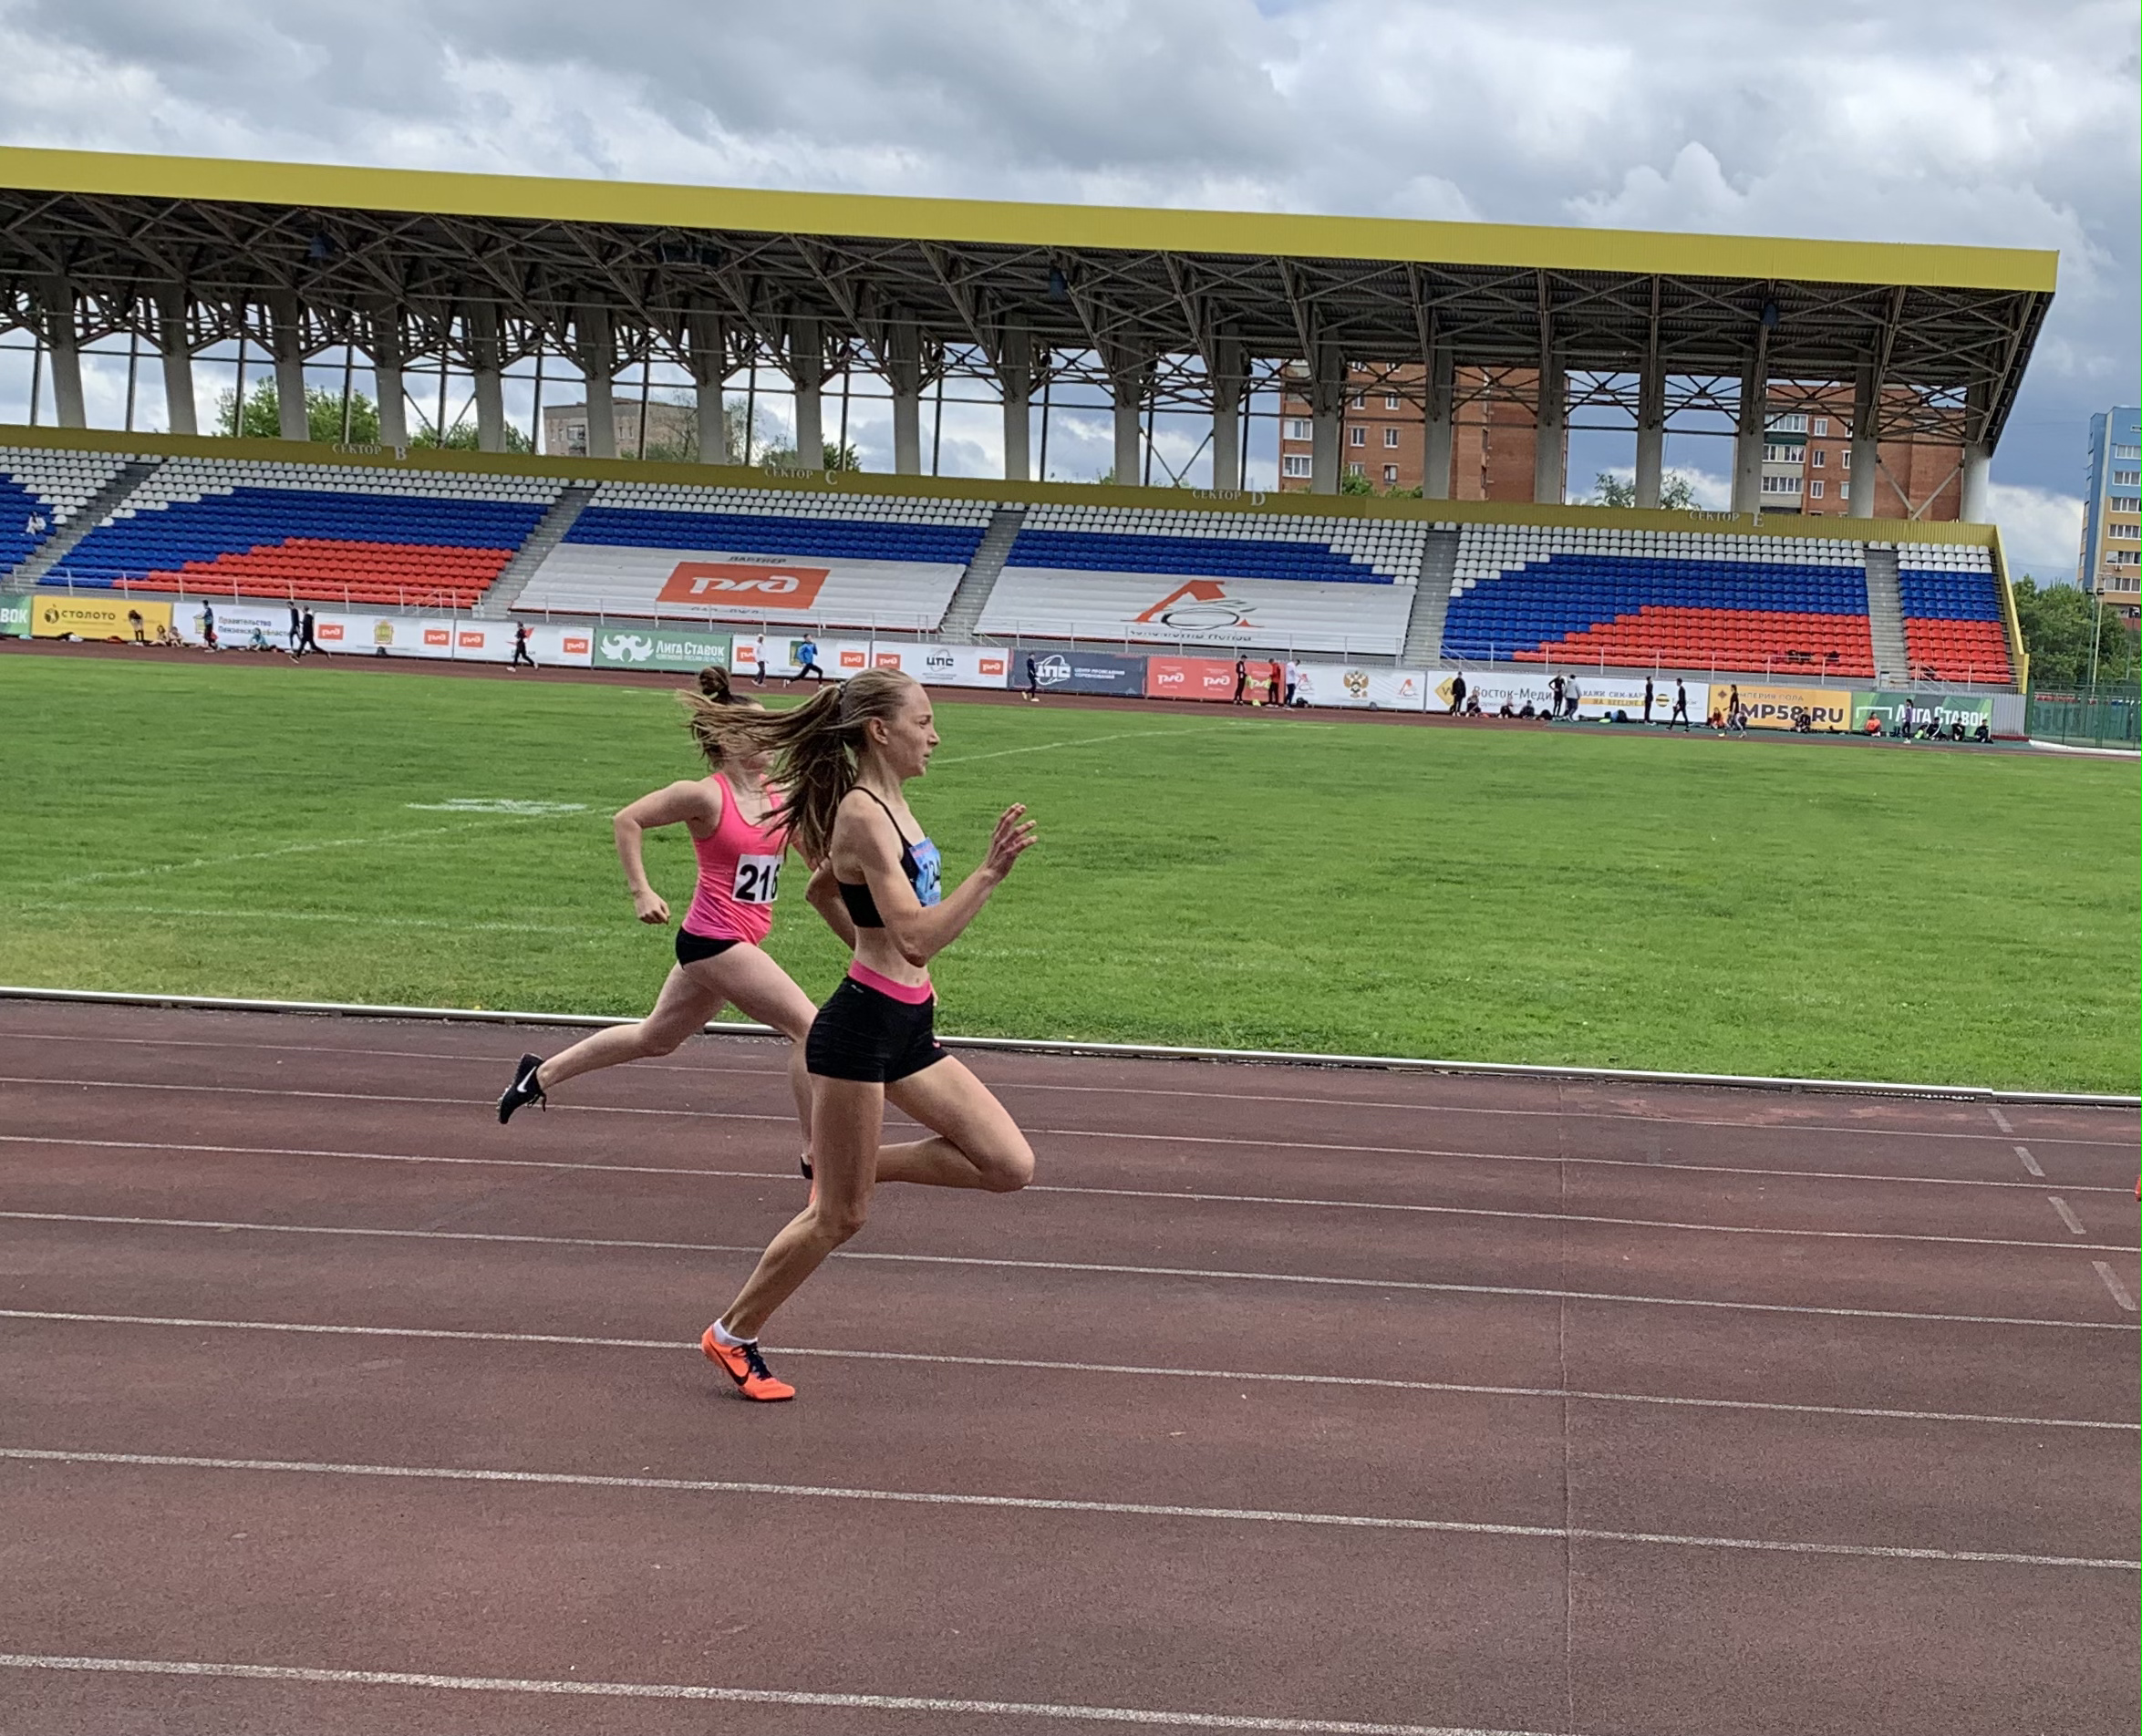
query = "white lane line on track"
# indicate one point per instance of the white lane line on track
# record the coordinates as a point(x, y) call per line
point(1999, 1120)
point(2119, 1291)
point(1053, 1503)
point(502, 1061)
point(2067, 1216)
point(221, 1226)
point(2030, 1163)
point(1113, 1369)
point(1067, 1188)
point(742, 1696)
point(1061, 1132)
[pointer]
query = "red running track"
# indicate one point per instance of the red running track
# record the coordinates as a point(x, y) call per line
point(1340, 1401)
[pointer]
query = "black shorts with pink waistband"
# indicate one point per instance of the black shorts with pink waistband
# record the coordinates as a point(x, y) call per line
point(865, 1034)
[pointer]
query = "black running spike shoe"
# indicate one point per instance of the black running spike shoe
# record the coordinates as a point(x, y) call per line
point(523, 1091)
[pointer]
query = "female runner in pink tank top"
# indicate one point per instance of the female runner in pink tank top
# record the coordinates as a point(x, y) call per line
point(729, 813)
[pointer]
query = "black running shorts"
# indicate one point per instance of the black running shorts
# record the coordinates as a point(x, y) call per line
point(862, 1033)
point(691, 947)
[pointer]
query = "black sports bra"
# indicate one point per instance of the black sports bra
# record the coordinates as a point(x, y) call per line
point(918, 860)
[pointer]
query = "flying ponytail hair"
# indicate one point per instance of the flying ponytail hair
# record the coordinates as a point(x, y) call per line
point(711, 713)
point(816, 748)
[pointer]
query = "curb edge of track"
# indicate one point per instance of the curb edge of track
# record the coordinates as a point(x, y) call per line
point(1125, 1051)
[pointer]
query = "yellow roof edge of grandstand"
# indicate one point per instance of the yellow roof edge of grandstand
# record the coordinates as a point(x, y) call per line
point(323, 188)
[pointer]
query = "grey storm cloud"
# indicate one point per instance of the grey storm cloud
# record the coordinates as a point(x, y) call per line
point(1974, 121)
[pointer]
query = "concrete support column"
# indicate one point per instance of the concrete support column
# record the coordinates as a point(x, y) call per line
point(64, 348)
point(1866, 451)
point(597, 355)
point(806, 370)
point(177, 350)
point(1015, 373)
point(1435, 474)
point(1550, 444)
point(487, 364)
point(1650, 432)
point(387, 360)
point(1327, 396)
point(1129, 374)
point(1227, 381)
point(707, 355)
point(1747, 442)
point(1977, 461)
point(904, 375)
point(286, 344)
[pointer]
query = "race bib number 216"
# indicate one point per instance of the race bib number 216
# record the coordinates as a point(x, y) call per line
point(758, 878)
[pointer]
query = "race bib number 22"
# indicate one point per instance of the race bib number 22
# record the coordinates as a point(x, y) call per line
point(758, 878)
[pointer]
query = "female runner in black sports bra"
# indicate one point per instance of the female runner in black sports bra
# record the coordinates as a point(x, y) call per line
point(844, 759)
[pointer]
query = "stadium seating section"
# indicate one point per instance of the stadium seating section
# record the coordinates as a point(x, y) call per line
point(1165, 575)
point(1954, 629)
point(883, 561)
point(411, 538)
point(40, 491)
point(314, 532)
point(1639, 599)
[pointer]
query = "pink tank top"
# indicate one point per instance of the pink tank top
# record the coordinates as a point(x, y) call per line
point(740, 870)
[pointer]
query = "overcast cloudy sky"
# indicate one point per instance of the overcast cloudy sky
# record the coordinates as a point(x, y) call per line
point(1989, 121)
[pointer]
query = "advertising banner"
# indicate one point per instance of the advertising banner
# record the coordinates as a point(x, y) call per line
point(235, 624)
point(347, 633)
point(658, 647)
point(1310, 615)
point(726, 584)
point(1336, 683)
point(959, 666)
point(1080, 672)
point(1770, 708)
point(1970, 710)
point(14, 617)
point(1205, 678)
point(56, 613)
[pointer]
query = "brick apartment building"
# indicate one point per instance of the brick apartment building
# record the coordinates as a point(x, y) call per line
point(1807, 458)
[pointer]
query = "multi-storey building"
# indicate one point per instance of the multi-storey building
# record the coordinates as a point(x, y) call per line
point(1383, 438)
point(1808, 448)
point(670, 427)
point(2112, 510)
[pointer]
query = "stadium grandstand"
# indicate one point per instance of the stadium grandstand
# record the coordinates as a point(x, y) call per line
point(333, 274)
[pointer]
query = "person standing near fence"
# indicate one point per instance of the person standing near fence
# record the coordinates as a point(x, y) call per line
point(1647, 698)
point(1293, 681)
point(1457, 694)
point(1241, 679)
point(1680, 707)
point(1272, 686)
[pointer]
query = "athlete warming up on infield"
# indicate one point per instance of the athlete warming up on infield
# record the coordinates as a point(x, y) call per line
point(843, 761)
point(736, 831)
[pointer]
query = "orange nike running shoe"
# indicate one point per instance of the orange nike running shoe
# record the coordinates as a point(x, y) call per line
point(744, 1365)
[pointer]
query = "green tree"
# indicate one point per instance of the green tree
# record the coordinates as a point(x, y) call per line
point(2061, 626)
point(1676, 493)
point(262, 418)
point(461, 438)
point(1356, 482)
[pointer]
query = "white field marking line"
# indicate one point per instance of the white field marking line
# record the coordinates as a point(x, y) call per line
point(1102, 1090)
point(680, 1346)
point(2119, 1291)
point(1106, 1268)
point(1065, 1132)
point(1051, 1504)
point(1188, 1197)
point(359, 919)
point(2030, 1163)
point(310, 847)
point(1999, 1120)
point(740, 1695)
point(2067, 1216)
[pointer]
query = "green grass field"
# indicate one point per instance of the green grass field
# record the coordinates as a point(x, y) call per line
point(1767, 906)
